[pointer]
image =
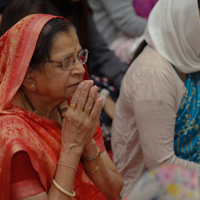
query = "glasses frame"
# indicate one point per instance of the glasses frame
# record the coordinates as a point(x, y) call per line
point(75, 57)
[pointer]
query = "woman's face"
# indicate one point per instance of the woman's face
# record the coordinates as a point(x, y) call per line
point(54, 84)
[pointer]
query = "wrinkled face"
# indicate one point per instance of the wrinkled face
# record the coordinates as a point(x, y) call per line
point(53, 83)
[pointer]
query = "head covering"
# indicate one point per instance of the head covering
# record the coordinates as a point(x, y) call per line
point(173, 30)
point(15, 54)
point(168, 182)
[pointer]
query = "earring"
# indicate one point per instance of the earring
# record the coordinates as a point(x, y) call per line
point(31, 86)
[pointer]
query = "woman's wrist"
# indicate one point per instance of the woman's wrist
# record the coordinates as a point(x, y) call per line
point(70, 153)
point(90, 149)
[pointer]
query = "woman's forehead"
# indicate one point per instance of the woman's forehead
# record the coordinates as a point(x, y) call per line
point(65, 44)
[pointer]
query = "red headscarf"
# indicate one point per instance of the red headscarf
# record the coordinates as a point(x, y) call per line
point(21, 130)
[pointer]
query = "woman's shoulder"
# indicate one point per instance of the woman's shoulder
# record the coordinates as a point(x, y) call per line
point(8, 118)
point(151, 73)
point(149, 63)
point(11, 126)
point(150, 59)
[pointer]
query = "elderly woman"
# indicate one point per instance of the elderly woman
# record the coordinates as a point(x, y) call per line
point(157, 114)
point(49, 150)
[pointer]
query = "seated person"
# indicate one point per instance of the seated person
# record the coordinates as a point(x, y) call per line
point(157, 113)
point(49, 150)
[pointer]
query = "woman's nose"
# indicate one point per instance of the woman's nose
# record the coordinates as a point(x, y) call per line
point(78, 68)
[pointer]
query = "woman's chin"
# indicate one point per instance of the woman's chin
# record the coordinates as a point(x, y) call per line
point(70, 94)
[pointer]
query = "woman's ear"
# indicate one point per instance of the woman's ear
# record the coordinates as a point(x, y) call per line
point(28, 81)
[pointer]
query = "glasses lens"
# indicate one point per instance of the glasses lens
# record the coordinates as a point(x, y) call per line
point(68, 63)
point(83, 56)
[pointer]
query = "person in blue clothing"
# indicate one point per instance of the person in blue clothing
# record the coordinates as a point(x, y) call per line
point(157, 113)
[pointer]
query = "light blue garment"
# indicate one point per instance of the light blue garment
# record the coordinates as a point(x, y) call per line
point(187, 127)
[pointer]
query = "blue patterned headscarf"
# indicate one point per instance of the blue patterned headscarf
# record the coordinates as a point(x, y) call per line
point(187, 127)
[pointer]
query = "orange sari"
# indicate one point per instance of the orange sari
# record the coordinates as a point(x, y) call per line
point(21, 130)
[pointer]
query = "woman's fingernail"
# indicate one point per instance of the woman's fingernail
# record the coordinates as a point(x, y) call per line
point(81, 85)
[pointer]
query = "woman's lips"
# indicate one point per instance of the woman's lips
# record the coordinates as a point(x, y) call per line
point(74, 86)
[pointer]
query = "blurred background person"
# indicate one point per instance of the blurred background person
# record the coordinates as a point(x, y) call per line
point(119, 24)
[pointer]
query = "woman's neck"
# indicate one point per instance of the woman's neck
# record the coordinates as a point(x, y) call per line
point(21, 101)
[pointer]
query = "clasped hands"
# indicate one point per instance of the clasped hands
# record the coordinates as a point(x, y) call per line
point(81, 119)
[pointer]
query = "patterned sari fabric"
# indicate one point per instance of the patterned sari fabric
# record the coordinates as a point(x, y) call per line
point(166, 183)
point(187, 130)
point(21, 130)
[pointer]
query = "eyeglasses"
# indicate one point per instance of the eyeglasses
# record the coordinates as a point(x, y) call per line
point(68, 62)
